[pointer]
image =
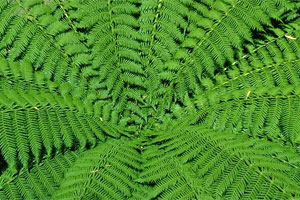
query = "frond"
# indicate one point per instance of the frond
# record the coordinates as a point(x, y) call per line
point(31, 31)
point(105, 172)
point(41, 181)
point(38, 122)
point(217, 33)
point(191, 162)
point(259, 96)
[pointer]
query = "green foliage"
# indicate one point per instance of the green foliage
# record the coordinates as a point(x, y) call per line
point(199, 163)
point(149, 99)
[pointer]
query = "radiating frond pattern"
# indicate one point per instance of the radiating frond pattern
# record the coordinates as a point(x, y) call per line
point(149, 99)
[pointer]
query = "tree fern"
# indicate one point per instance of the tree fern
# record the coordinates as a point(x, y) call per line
point(151, 99)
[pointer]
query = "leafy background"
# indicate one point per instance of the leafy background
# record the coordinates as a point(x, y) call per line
point(149, 99)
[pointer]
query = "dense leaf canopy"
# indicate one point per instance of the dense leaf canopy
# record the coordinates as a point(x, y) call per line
point(150, 99)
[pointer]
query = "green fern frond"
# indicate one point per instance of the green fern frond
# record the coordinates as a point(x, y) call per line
point(35, 121)
point(41, 181)
point(32, 26)
point(106, 172)
point(150, 99)
point(206, 48)
point(219, 164)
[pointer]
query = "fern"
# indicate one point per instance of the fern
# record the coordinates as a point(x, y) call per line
point(42, 180)
point(35, 120)
point(192, 162)
point(38, 32)
point(151, 99)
